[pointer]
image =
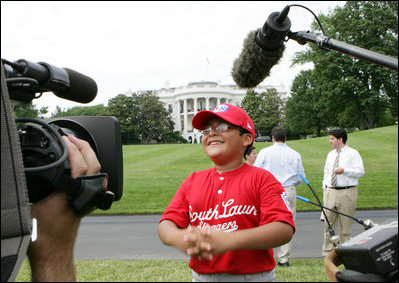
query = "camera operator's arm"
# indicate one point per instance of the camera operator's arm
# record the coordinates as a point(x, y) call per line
point(51, 255)
point(331, 263)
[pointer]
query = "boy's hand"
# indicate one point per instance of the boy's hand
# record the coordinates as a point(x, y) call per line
point(206, 242)
point(199, 242)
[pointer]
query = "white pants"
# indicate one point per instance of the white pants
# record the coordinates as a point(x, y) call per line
point(267, 276)
point(285, 250)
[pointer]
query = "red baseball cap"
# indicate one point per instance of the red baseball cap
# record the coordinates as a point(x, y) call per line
point(230, 113)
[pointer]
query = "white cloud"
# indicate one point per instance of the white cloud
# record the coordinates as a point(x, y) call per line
point(141, 45)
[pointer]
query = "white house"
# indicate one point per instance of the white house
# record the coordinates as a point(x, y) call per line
point(185, 101)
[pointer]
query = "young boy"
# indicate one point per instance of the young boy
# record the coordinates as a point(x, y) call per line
point(229, 217)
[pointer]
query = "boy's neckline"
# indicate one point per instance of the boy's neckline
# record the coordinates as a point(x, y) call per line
point(219, 171)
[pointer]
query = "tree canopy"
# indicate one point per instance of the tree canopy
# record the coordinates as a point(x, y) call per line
point(97, 110)
point(143, 118)
point(265, 110)
point(28, 110)
point(342, 90)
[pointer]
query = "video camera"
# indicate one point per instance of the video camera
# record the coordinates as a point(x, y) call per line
point(44, 153)
point(371, 256)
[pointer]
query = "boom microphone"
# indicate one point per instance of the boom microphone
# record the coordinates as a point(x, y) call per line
point(26, 78)
point(262, 49)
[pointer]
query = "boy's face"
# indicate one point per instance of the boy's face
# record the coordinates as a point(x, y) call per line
point(225, 146)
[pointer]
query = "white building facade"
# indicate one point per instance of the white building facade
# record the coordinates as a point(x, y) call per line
point(186, 101)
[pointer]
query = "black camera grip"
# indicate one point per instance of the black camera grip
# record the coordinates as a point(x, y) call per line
point(86, 193)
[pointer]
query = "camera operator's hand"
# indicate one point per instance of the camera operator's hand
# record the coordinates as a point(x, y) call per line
point(81, 157)
point(51, 255)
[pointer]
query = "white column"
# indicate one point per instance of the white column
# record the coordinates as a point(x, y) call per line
point(195, 112)
point(207, 103)
point(179, 117)
point(218, 101)
point(195, 106)
point(185, 115)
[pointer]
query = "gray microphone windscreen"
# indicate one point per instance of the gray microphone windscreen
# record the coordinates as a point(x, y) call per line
point(253, 64)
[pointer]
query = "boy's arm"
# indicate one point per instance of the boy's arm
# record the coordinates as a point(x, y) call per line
point(171, 235)
point(267, 236)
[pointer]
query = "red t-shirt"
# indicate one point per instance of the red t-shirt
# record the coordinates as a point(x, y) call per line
point(244, 198)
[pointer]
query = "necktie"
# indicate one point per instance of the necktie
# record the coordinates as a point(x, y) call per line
point(334, 176)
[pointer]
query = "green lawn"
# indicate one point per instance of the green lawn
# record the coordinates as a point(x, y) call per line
point(153, 173)
point(300, 270)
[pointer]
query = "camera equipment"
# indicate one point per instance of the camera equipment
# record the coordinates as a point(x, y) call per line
point(371, 256)
point(44, 152)
point(25, 79)
point(374, 251)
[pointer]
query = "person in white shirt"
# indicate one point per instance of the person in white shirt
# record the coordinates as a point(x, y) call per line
point(340, 183)
point(285, 164)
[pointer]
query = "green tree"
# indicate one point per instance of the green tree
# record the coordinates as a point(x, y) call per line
point(265, 110)
point(43, 111)
point(28, 110)
point(143, 118)
point(153, 119)
point(124, 109)
point(97, 110)
point(305, 110)
point(357, 91)
point(59, 112)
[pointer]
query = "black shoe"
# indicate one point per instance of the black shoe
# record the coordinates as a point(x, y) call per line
point(285, 264)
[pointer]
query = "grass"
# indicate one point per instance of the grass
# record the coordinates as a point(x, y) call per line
point(300, 270)
point(153, 173)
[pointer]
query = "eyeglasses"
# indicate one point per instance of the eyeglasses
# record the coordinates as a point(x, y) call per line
point(222, 127)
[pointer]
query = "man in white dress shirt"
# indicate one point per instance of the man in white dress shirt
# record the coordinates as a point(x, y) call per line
point(285, 164)
point(343, 168)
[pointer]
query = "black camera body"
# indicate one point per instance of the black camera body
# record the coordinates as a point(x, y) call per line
point(41, 147)
point(44, 153)
point(373, 253)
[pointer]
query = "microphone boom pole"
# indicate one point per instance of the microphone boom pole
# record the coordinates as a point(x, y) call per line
point(327, 43)
point(333, 238)
point(367, 224)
